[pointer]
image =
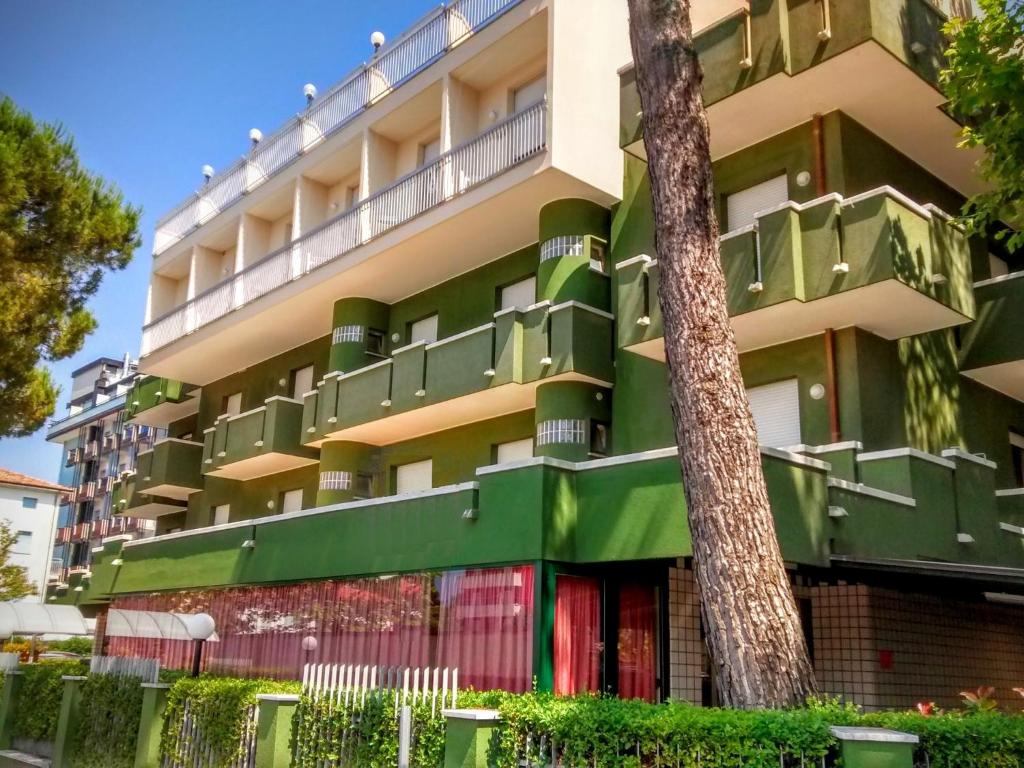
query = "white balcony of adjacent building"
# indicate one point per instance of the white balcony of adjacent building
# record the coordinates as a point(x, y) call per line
point(446, 173)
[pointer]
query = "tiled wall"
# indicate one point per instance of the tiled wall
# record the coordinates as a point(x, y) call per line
point(877, 647)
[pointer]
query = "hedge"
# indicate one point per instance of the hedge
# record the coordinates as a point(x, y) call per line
point(43, 688)
point(108, 723)
point(218, 707)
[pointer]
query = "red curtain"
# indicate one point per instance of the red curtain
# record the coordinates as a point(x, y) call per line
point(577, 635)
point(486, 627)
point(480, 621)
point(637, 641)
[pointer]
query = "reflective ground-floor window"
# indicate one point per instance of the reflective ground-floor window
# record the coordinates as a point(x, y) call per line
point(479, 621)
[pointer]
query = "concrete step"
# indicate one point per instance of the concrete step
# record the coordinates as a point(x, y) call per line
point(12, 758)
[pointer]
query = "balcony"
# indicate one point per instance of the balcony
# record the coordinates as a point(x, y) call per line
point(479, 374)
point(127, 500)
point(172, 469)
point(433, 37)
point(992, 347)
point(156, 401)
point(259, 442)
point(877, 260)
point(772, 64)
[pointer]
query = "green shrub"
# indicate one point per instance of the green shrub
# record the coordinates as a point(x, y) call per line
point(218, 707)
point(38, 706)
point(108, 722)
point(80, 645)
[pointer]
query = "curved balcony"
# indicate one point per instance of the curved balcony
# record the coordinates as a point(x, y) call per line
point(877, 260)
point(479, 374)
point(259, 442)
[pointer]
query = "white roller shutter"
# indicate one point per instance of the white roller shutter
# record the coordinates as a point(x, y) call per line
point(776, 409)
point(418, 476)
point(741, 208)
point(519, 295)
point(515, 450)
point(291, 501)
point(424, 330)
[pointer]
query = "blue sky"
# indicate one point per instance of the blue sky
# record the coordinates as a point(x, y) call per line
point(151, 91)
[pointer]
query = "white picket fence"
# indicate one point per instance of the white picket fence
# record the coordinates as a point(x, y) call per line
point(340, 691)
point(9, 661)
point(146, 670)
point(191, 749)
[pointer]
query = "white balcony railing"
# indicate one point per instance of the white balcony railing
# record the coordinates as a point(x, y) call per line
point(505, 145)
point(431, 38)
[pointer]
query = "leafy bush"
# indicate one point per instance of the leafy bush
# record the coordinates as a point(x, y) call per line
point(218, 708)
point(108, 722)
point(364, 731)
point(35, 716)
point(80, 645)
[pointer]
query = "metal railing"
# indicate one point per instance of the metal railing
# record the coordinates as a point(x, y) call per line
point(420, 46)
point(500, 148)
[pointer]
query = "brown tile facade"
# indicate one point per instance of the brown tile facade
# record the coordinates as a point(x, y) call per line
point(877, 647)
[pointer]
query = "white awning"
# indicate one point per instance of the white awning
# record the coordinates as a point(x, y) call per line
point(38, 619)
point(160, 626)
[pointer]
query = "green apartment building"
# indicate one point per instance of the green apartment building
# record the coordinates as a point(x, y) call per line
point(409, 357)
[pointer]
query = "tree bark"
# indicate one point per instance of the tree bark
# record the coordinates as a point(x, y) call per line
point(751, 621)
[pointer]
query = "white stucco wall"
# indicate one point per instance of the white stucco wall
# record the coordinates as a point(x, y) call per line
point(40, 523)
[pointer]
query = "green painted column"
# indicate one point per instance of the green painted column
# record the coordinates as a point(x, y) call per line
point(875, 747)
point(568, 414)
point(572, 233)
point(274, 728)
point(342, 463)
point(468, 733)
point(13, 680)
point(359, 329)
point(67, 722)
point(154, 704)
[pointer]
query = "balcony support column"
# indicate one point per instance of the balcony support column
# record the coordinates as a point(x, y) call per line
point(341, 464)
point(572, 419)
point(572, 232)
point(359, 326)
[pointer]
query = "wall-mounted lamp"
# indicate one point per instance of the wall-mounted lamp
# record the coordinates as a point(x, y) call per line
point(803, 178)
point(270, 504)
point(817, 391)
point(249, 544)
point(116, 562)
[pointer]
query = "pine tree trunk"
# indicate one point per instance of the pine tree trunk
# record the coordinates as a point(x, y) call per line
point(751, 622)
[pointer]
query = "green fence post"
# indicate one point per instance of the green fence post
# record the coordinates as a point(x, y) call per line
point(67, 723)
point(274, 728)
point(13, 679)
point(467, 736)
point(154, 703)
point(875, 747)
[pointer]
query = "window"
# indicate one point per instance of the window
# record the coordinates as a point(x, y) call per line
point(578, 641)
point(231, 405)
point(363, 486)
point(997, 266)
point(375, 342)
point(1017, 457)
point(418, 476)
point(29, 502)
point(519, 295)
point(514, 450)
point(529, 93)
point(221, 513)
point(291, 501)
point(599, 438)
point(23, 543)
point(423, 330)
point(741, 208)
point(429, 151)
point(302, 381)
point(351, 196)
point(776, 409)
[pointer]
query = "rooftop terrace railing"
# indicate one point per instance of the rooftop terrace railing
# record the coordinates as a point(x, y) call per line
point(500, 148)
point(416, 49)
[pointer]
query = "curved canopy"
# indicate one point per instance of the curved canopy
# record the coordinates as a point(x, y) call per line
point(160, 626)
point(38, 619)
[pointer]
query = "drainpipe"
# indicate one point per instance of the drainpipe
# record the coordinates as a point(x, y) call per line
point(833, 386)
point(820, 174)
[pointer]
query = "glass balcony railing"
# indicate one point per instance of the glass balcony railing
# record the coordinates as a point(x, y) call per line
point(430, 39)
point(500, 148)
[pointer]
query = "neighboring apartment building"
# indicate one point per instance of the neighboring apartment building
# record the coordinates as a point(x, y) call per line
point(29, 506)
point(99, 445)
point(409, 356)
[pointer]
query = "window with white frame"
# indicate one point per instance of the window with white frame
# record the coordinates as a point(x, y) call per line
point(29, 502)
